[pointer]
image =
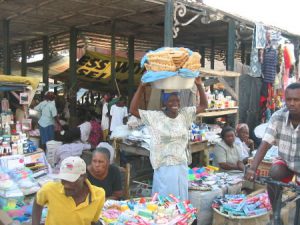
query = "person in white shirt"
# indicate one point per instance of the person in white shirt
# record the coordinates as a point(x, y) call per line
point(242, 139)
point(105, 116)
point(85, 130)
point(71, 146)
point(118, 113)
point(48, 112)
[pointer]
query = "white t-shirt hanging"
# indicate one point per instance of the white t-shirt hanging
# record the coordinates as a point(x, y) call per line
point(85, 130)
point(105, 118)
point(117, 115)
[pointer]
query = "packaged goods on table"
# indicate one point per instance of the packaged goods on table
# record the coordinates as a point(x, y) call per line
point(24, 180)
point(204, 132)
point(158, 210)
point(206, 178)
point(240, 205)
point(10, 194)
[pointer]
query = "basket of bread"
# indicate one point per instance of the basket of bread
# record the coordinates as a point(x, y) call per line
point(171, 68)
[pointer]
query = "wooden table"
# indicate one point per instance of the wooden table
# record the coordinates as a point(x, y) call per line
point(199, 149)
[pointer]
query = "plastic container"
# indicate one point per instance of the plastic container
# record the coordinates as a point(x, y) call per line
point(174, 83)
point(221, 219)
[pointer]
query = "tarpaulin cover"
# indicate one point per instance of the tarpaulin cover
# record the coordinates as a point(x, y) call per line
point(13, 83)
point(31, 81)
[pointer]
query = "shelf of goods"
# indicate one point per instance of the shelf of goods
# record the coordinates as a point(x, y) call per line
point(220, 112)
point(234, 92)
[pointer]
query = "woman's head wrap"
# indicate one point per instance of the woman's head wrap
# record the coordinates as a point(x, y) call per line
point(166, 95)
point(241, 126)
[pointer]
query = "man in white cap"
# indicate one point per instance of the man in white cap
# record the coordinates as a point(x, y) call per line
point(73, 200)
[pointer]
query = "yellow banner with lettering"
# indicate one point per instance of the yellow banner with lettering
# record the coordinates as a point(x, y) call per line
point(94, 66)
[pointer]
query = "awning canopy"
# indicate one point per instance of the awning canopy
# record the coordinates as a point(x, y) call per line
point(94, 72)
point(19, 83)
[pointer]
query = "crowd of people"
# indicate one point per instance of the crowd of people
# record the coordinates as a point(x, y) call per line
point(91, 133)
point(85, 188)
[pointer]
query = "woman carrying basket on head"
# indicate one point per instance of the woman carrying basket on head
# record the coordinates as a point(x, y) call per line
point(169, 139)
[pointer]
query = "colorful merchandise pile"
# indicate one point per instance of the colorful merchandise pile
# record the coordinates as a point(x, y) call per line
point(15, 184)
point(13, 139)
point(25, 181)
point(205, 178)
point(167, 211)
point(204, 132)
point(240, 205)
point(217, 100)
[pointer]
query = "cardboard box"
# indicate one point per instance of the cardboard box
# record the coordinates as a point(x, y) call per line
point(4, 218)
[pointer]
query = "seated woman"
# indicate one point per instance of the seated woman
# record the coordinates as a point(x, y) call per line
point(100, 173)
point(242, 132)
point(227, 152)
point(71, 146)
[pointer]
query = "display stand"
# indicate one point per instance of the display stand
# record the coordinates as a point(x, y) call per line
point(234, 92)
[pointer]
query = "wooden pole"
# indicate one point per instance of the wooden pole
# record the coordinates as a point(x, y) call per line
point(231, 45)
point(131, 67)
point(202, 53)
point(212, 54)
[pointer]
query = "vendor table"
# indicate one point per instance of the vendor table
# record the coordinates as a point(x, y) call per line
point(202, 200)
point(202, 148)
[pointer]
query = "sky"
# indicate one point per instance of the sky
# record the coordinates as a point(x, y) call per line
point(283, 14)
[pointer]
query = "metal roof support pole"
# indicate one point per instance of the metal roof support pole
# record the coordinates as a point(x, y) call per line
point(131, 67)
point(24, 58)
point(202, 53)
point(230, 45)
point(6, 48)
point(113, 55)
point(168, 25)
point(243, 52)
point(212, 54)
point(73, 57)
point(73, 73)
point(46, 63)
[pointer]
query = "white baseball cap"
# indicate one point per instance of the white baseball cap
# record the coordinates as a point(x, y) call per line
point(71, 169)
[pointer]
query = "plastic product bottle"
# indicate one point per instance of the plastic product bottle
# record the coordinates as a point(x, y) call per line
point(18, 127)
point(7, 129)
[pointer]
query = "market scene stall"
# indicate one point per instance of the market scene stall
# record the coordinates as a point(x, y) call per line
point(146, 113)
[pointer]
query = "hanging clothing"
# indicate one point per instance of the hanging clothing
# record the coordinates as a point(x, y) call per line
point(287, 58)
point(269, 65)
point(260, 36)
point(255, 65)
point(267, 101)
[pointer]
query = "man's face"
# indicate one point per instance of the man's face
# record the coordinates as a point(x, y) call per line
point(106, 97)
point(121, 103)
point(73, 189)
point(292, 99)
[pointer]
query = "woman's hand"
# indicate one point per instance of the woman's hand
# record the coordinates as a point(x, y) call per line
point(250, 174)
point(198, 81)
point(250, 143)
